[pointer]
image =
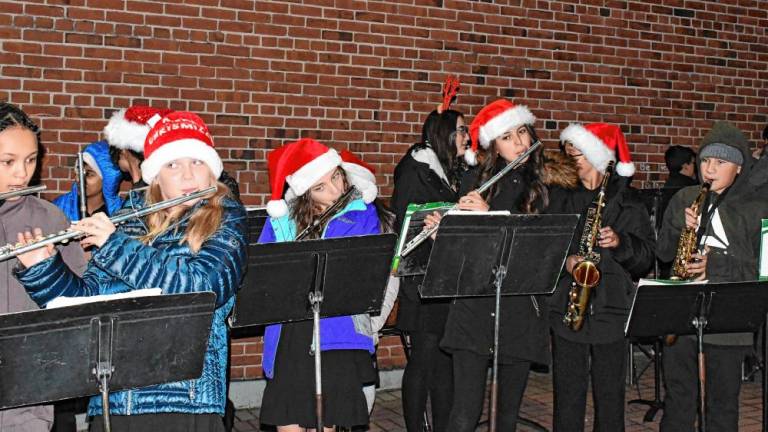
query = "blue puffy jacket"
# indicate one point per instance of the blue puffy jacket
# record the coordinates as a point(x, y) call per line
point(124, 264)
point(344, 332)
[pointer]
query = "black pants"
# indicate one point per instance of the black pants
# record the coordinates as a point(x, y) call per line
point(429, 372)
point(574, 364)
point(723, 381)
point(470, 372)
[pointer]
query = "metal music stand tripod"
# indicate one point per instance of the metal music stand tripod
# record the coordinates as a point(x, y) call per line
point(700, 308)
point(83, 350)
point(477, 254)
point(296, 281)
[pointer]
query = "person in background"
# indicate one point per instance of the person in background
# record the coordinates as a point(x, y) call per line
point(102, 183)
point(681, 163)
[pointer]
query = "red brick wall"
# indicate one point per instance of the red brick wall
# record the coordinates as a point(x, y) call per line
point(363, 74)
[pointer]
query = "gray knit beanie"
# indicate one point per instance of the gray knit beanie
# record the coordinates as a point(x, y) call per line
point(725, 141)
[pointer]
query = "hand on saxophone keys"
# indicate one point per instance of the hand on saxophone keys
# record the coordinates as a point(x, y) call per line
point(33, 257)
point(608, 238)
point(691, 218)
point(697, 266)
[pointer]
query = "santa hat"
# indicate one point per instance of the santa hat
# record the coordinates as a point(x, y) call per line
point(302, 163)
point(599, 143)
point(492, 121)
point(178, 135)
point(128, 128)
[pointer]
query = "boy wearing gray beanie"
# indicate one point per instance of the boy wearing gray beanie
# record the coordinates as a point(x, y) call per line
point(729, 231)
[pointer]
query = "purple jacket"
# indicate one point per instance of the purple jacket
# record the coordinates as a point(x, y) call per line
point(336, 333)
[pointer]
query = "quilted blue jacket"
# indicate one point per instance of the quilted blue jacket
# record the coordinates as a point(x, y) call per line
point(343, 332)
point(124, 264)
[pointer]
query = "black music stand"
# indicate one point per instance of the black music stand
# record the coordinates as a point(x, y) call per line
point(296, 281)
point(101, 347)
point(478, 254)
point(700, 308)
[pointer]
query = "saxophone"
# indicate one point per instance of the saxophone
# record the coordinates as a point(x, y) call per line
point(586, 274)
point(686, 246)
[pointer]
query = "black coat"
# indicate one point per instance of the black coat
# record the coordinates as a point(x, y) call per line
point(611, 299)
point(523, 321)
point(416, 183)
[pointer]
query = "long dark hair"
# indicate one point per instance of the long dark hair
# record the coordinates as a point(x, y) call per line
point(537, 198)
point(439, 133)
point(304, 209)
point(13, 116)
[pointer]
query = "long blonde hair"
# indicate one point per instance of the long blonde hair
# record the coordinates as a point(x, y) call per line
point(203, 223)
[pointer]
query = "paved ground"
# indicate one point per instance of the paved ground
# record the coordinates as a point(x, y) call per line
point(537, 406)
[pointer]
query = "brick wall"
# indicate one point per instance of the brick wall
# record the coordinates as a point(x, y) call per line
point(363, 74)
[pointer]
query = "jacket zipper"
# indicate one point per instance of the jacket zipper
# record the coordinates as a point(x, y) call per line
point(536, 306)
point(192, 390)
point(129, 405)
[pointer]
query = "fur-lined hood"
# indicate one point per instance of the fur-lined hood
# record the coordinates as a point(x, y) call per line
point(559, 170)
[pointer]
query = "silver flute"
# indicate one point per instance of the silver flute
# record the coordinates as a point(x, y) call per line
point(20, 192)
point(9, 251)
point(425, 234)
point(81, 185)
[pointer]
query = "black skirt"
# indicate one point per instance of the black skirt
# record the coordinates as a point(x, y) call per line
point(289, 397)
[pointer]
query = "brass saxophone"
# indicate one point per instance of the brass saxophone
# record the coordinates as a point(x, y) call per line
point(586, 275)
point(687, 246)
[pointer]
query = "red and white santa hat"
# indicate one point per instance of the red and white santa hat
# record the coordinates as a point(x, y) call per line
point(128, 128)
point(492, 121)
point(302, 163)
point(178, 135)
point(599, 143)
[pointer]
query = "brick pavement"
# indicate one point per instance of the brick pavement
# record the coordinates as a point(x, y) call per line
point(537, 406)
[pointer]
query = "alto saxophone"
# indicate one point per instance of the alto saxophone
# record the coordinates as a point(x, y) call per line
point(586, 275)
point(686, 246)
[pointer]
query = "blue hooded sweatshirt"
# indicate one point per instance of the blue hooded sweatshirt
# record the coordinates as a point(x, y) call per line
point(110, 183)
point(336, 333)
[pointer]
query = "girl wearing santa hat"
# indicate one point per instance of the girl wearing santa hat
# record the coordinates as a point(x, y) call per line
point(196, 246)
point(505, 131)
point(626, 248)
point(430, 171)
point(316, 176)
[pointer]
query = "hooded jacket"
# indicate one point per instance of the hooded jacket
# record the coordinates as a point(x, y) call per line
point(125, 264)
point(336, 333)
point(740, 213)
point(111, 177)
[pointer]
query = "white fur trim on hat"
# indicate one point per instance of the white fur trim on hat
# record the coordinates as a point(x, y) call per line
point(596, 152)
point(88, 158)
point(277, 208)
point(184, 148)
point(303, 178)
point(509, 119)
point(625, 169)
point(470, 157)
point(361, 178)
point(125, 134)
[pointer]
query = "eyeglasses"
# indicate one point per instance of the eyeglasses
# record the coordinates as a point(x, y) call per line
point(462, 130)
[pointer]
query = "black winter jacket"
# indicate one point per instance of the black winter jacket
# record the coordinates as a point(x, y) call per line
point(611, 299)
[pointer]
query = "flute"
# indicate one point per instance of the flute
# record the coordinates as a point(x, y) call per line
point(19, 192)
point(81, 185)
point(9, 251)
point(425, 234)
